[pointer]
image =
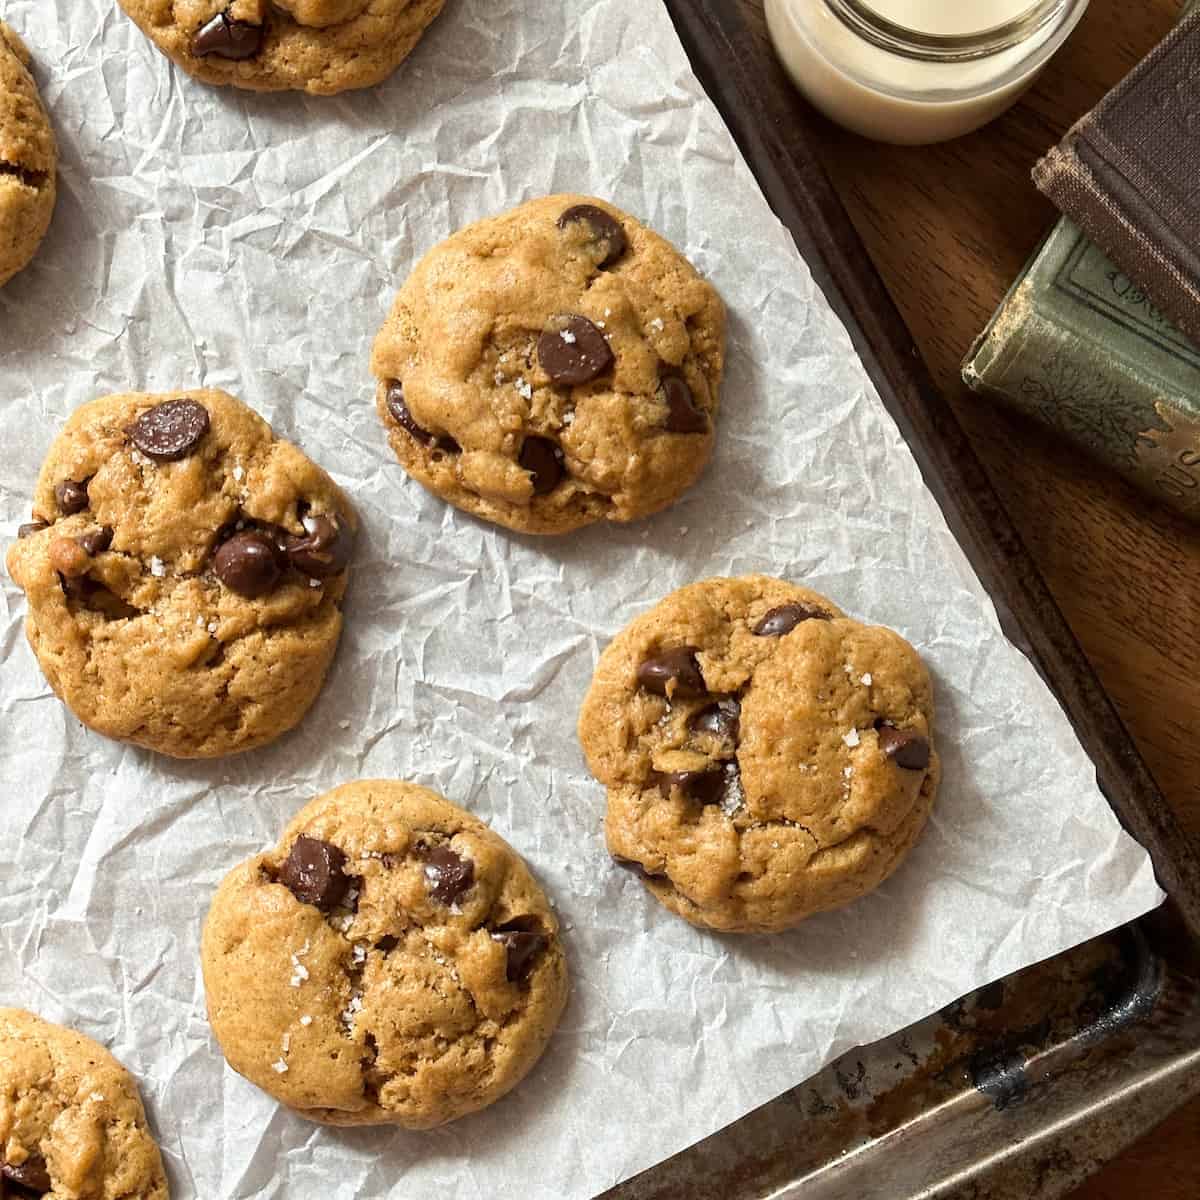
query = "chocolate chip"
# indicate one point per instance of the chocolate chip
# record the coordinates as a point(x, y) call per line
point(574, 351)
point(906, 747)
point(723, 719)
point(313, 873)
point(323, 549)
point(606, 238)
point(31, 1175)
point(678, 666)
point(632, 864)
point(227, 38)
point(96, 541)
point(543, 460)
point(786, 617)
point(523, 940)
point(248, 563)
point(705, 787)
point(170, 431)
point(72, 495)
point(31, 527)
point(682, 414)
point(448, 874)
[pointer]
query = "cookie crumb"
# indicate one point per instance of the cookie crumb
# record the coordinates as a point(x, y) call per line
point(851, 739)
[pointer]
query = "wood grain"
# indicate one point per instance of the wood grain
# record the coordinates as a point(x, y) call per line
point(949, 228)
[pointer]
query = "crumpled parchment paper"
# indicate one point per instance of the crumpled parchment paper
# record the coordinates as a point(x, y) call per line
point(254, 243)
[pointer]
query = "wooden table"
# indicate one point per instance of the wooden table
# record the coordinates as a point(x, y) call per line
point(949, 228)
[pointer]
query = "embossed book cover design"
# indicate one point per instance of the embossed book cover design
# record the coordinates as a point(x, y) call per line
point(1078, 344)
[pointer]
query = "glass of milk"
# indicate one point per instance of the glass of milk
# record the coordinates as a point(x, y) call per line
point(917, 71)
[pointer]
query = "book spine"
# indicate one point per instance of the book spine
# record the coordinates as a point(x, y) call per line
point(1043, 368)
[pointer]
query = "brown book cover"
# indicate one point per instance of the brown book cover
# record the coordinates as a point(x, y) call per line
point(1129, 174)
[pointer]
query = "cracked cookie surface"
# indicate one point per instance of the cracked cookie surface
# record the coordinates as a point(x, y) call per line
point(766, 757)
point(28, 159)
point(71, 1121)
point(391, 961)
point(317, 46)
point(553, 366)
point(184, 572)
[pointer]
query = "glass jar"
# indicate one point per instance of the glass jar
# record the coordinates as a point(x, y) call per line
point(962, 64)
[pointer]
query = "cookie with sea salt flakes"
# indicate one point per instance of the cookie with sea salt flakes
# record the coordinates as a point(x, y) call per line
point(71, 1121)
point(184, 572)
point(28, 159)
point(316, 46)
point(553, 366)
point(391, 961)
point(766, 757)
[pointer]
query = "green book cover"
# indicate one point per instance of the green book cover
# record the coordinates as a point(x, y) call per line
point(1079, 346)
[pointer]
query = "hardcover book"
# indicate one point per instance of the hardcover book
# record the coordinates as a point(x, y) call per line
point(1079, 345)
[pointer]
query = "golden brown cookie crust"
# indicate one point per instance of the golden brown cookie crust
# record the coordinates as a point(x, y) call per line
point(317, 46)
point(394, 1007)
point(28, 159)
point(462, 340)
point(159, 651)
point(798, 809)
point(65, 1102)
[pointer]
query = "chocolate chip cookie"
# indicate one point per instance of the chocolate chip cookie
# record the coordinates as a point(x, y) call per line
point(553, 366)
point(391, 961)
point(184, 571)
point(71, 1121)
point(317, 46)
point(766, 757)
point(28, 159)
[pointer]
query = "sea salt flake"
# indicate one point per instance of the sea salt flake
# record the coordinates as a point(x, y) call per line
point(498, 377)
point(287, 1042)
point(657, 324)
point(568, 337)
point(158, 568)
point(212, 627)
point(847, 772)
point(314, 583)
point(343, 724)
point(524, 390)
point(735, 797)
point(867, 679)
point(360, 954)
point(568, 419)
point(279, 1066)
point(851, 739)
point(306, 1019)
point(239, 472)
point(97, 1096)
point(601, 325)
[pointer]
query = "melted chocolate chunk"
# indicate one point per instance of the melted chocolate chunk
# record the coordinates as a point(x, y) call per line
point(786, 617)
point(682, 414)
point(31, 527)
point(678, 665)
point(387, 943)
point(524, 940)
point(96, 541)
point(606, 239)
point(248, 563)
point(323, 549)
point(906, 747)
point(705, 787)
point(448, 874)
point(30, 1177)
point(72, 495)
point(313, 873)
point(543, 460)
point(574, 351)
point(722, 719)
point(401, 415)
point(632, 864)
point(171, 430)
point(227, 38)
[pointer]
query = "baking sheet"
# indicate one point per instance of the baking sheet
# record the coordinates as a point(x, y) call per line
point(254, 243)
